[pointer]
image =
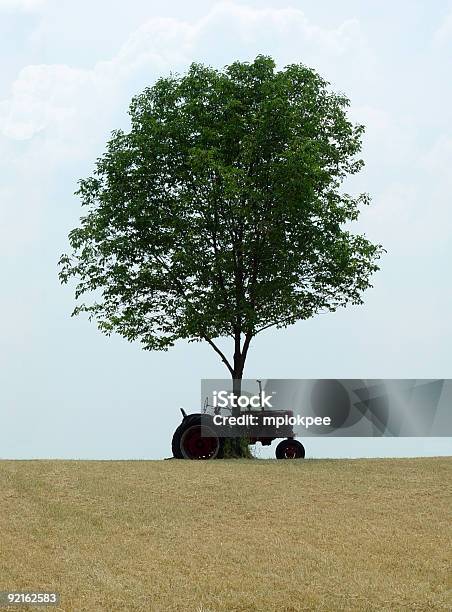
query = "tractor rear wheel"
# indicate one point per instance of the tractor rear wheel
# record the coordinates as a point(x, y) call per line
point(175, 443)
point(188, 443)
point(290, 449)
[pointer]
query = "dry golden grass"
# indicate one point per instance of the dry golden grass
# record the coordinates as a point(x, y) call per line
point(229, 535)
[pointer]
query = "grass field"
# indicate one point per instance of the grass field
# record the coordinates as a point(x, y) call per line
point(229, 535)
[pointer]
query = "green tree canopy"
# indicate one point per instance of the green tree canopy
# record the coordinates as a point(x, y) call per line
point(220, 213)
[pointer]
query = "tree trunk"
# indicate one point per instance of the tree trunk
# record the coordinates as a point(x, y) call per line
point(235, 447)
point(237, 376)
point(239, 446)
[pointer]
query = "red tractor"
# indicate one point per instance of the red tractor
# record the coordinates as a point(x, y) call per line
point(198, 437)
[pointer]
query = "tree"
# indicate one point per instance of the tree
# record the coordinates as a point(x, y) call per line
point(220, 213)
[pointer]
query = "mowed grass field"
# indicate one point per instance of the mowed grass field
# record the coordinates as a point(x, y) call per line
point(229, 535)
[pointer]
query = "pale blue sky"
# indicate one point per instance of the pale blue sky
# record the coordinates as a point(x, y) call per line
point(68, 71)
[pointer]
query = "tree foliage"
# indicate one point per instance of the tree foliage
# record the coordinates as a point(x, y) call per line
point(220, 213)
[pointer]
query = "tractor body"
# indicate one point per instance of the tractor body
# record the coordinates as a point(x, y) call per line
point(199, 436)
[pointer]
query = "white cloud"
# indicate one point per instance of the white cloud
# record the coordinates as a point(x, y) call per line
point(45, 96)
point(21, 5)
point(280, 25)
point(411, 213)
point(41, 95)
point(443, 34)
point(436, 163)
point(389, 139)
point(438, 159)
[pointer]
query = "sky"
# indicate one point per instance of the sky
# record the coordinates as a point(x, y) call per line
point(68, 71)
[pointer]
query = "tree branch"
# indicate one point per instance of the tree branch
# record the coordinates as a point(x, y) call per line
point(219, 352)
point(246, 345)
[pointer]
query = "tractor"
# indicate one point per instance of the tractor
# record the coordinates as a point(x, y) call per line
point(198, 437)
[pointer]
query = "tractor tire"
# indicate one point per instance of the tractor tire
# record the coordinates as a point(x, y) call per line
point(175, 443)
point(290, 449)
point(188, 443)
